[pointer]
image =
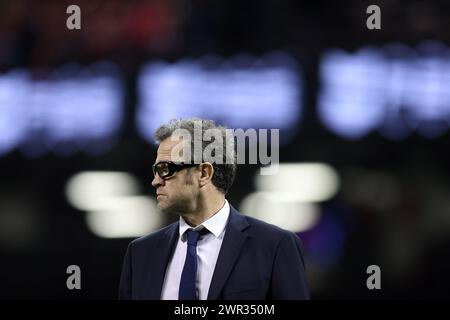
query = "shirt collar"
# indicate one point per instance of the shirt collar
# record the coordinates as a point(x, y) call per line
point(215, 224)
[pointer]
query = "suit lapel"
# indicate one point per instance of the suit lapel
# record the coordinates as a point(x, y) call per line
point(231, 246)
point(165, 247)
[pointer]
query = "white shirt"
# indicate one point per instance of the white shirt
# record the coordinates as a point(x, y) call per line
point(208, 248)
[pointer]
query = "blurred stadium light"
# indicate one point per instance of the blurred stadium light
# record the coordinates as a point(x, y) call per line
point(393, 89)
point(288, 198)
point(88, 190)
point(80, 109)
point(124, 217)
point(243, 92)
point(113, 207)
point(289, 215)
point(301, 182)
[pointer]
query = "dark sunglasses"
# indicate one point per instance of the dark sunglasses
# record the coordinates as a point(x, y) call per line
point(166, 169)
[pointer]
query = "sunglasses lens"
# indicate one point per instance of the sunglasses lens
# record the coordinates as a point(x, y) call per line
point(162, 169)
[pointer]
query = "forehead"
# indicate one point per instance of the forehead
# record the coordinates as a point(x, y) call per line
point(170, 150)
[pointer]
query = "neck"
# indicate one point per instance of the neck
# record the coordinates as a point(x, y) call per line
point(206, 208)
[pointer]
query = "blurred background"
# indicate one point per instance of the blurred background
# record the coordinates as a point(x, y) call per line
point(364, 119)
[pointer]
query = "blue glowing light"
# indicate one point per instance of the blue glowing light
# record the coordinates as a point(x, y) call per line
point(241, 92)
point(394, 90)
point(60, 113)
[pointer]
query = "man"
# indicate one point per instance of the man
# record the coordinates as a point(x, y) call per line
point(213, 251)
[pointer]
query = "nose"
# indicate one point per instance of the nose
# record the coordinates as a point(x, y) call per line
point(157, 181)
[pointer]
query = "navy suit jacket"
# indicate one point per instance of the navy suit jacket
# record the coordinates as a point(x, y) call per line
point(257, 261)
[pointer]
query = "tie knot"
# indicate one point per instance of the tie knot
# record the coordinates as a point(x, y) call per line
point(193, 236)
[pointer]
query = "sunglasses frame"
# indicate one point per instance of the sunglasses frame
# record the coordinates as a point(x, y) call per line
point(173, 168)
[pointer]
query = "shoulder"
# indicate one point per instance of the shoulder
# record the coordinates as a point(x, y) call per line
point(153, 237)
point(275, 239)
point(260, 229)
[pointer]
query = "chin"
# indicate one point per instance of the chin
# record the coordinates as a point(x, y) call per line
point(161, 206)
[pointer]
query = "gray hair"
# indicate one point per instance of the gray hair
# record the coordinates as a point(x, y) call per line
point(224, 172)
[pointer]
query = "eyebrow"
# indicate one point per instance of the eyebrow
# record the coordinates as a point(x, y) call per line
point(156, 161)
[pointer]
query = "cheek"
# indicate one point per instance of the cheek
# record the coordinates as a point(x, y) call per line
point(178, 192)
point(172, 190)
point(179, 187)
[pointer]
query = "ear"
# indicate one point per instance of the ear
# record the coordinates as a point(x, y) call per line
point(206, 173)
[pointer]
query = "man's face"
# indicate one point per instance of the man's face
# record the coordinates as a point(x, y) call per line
point(178, 193)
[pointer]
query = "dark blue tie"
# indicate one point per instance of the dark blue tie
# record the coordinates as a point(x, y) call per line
point(188, 290)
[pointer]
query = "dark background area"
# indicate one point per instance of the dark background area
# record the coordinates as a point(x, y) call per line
point(400, 223)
